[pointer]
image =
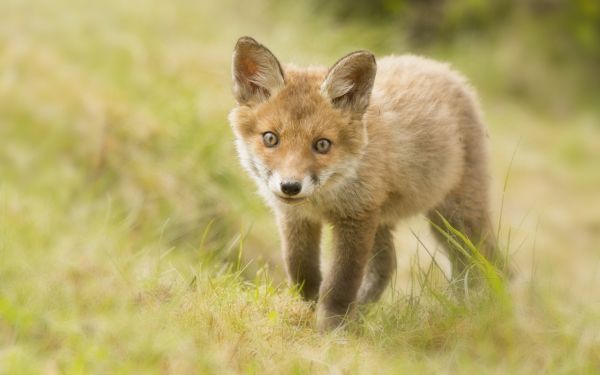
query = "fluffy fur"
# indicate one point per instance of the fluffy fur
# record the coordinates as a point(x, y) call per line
point(406, 138)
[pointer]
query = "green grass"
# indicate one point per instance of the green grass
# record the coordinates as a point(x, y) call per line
point(132, 242)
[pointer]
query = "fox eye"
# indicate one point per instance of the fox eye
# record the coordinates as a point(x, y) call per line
point(270, 139)
point(322, 146)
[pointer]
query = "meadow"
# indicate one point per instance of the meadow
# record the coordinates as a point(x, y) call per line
point(131, 241)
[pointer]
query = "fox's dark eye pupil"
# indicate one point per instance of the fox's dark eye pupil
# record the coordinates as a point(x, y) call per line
point(270, 139)
point(322, 146)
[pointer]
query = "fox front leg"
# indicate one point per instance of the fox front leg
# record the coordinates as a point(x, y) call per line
point(380, 268)
point(353, 240)
point(301, 247)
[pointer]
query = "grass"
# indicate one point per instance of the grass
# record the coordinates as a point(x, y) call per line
point(132, 242)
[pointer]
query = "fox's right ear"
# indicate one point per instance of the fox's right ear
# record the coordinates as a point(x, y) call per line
point(257, 74)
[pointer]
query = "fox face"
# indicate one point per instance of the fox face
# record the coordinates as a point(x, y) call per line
point(299, 132)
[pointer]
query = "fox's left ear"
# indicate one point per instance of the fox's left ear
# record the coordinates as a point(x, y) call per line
point(350, 80)
point(257, 74)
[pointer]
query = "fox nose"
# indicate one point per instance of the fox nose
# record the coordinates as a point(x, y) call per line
point(291, 187)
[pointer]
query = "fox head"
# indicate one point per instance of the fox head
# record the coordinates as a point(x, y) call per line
point(299, 131)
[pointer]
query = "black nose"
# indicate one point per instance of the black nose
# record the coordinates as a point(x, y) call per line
point(291, 188)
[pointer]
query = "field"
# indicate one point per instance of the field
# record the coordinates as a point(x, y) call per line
point(131, 240)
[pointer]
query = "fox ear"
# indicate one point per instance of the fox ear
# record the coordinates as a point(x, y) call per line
point(350, 80)
point(256, 72)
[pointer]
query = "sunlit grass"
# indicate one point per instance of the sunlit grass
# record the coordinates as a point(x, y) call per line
point(132, 242)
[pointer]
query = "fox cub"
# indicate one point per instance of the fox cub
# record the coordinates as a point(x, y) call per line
point(360, 145)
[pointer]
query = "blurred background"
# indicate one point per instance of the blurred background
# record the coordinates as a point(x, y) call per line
point(115, 151)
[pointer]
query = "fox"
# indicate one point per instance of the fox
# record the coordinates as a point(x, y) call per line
point(360, 146)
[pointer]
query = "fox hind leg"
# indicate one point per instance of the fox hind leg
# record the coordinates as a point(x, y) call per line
point(468, 212)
